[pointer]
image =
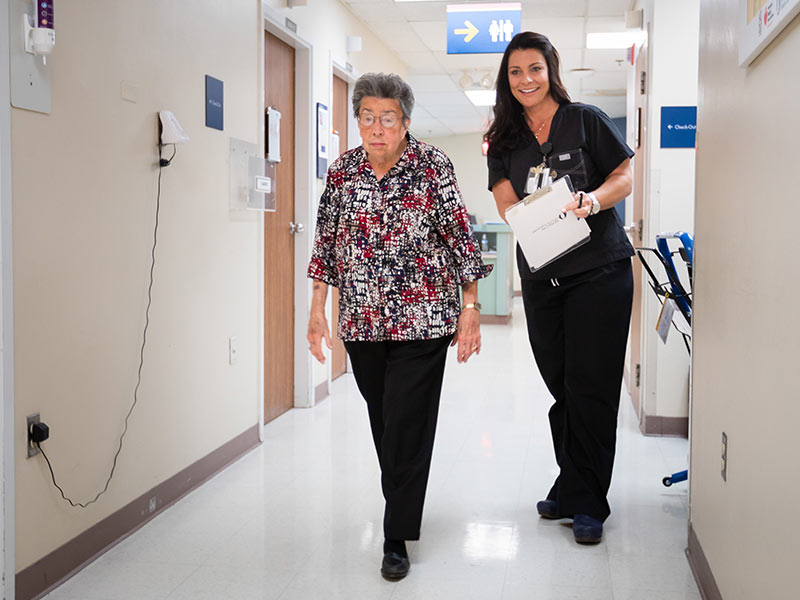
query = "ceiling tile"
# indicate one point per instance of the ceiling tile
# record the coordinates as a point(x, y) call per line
point(432, 100)
point(421, 62)
point(455, 63)
point(432, 33)
point(608, 7)
point(424, 11)
point(562, 32)
point(400, 37)
point(381, 11)
point(553, 8)
point(432, 83)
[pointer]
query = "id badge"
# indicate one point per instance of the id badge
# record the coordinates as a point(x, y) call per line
point(539, 177)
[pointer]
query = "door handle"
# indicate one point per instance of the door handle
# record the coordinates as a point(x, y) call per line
point(630, 228)
point(295, 228)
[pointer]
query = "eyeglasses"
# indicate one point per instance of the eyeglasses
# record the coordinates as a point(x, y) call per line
point(368, 120)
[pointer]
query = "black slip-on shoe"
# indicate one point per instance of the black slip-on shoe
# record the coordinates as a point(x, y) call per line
point(547, 509)
point(394, 566)
point(587, 530)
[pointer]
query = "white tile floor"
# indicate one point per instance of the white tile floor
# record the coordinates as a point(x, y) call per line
point(299, 518)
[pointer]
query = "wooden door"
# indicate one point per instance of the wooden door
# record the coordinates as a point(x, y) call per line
point(279, 82)
point(639, 191)
point(340, 108)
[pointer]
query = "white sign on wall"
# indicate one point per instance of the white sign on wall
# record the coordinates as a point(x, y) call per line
point(760, 21)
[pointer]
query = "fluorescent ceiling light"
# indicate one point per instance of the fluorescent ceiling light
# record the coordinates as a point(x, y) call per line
point(616, 40)
point(415, 0)
point(481, 97)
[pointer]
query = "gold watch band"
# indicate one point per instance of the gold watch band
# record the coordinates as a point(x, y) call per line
point(475, 305)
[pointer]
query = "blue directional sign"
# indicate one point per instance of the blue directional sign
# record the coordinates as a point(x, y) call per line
point(678, 126)
point(481, 28)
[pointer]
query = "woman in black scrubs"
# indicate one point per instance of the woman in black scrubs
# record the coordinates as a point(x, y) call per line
point(578, 307)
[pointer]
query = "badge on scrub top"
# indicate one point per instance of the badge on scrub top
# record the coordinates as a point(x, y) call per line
point(541, 175)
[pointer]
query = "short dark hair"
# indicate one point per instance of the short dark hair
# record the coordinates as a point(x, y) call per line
point(508, 129)
point(383, 85)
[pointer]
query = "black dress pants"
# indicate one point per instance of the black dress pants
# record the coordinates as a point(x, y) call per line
point(401, 383)
point(578, 329)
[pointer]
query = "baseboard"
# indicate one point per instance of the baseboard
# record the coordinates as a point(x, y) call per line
point(64, 562)
point(666, 426)
point(517, 293)
point(321, 392)
point(495, 319)
point(701, 569)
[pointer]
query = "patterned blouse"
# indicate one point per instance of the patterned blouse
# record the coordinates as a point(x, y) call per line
point(397, 248)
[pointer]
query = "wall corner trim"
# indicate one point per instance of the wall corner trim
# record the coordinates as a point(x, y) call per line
point(67, 560)
point(701, 569)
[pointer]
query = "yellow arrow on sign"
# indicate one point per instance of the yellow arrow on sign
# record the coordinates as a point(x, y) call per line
point(471, 31)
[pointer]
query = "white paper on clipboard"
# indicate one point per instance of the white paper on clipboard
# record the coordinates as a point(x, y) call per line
point(543, 231)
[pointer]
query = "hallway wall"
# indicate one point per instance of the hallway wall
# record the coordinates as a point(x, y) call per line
point(746, 319)
point(84, 184)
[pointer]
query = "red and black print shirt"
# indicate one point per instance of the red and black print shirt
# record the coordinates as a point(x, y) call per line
point(397, 248)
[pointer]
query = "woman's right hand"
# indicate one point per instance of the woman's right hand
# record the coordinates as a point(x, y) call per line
point(317, 331)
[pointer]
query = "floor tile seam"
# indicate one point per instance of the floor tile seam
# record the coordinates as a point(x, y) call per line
point(521, 483)
point(184, 580)
point(172, 563)
point(288, 584)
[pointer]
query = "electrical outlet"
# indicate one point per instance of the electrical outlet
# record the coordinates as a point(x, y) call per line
point(724, 471)
point(32, 449)
point(153, 504)
point(233, 350)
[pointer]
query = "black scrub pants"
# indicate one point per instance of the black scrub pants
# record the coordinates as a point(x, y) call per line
point(401, 383)
point(578, 329)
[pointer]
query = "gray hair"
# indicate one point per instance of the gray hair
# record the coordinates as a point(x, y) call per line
point(383, 85)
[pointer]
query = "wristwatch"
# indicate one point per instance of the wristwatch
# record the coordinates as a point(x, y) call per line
point(475, 305)
point(595, 203)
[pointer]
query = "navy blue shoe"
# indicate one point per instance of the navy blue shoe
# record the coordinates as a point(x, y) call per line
point(587, 530)
point(548, 509)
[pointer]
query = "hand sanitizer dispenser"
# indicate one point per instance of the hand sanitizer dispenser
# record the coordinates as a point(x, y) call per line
point(40, 34)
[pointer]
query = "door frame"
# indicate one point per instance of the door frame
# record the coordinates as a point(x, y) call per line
point(7, 421)
point(275, 24)
point(347, 72)
point(640, 121)
point(349, 75)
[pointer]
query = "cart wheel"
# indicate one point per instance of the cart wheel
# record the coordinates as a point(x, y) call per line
point(667, 481)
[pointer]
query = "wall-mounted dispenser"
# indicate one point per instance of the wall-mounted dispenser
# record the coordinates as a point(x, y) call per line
point(170, 133)
point(170, 130)
point(31, 35)
point(39, 29)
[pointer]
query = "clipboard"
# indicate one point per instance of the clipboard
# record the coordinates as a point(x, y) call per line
point(543, 231)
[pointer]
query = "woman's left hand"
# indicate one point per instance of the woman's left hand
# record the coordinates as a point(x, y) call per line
point(468, 335)
point(585, 205)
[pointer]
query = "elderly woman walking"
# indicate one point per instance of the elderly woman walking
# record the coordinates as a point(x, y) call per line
point(394, 236)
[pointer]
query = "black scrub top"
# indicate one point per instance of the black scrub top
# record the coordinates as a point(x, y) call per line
point(586, 146)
